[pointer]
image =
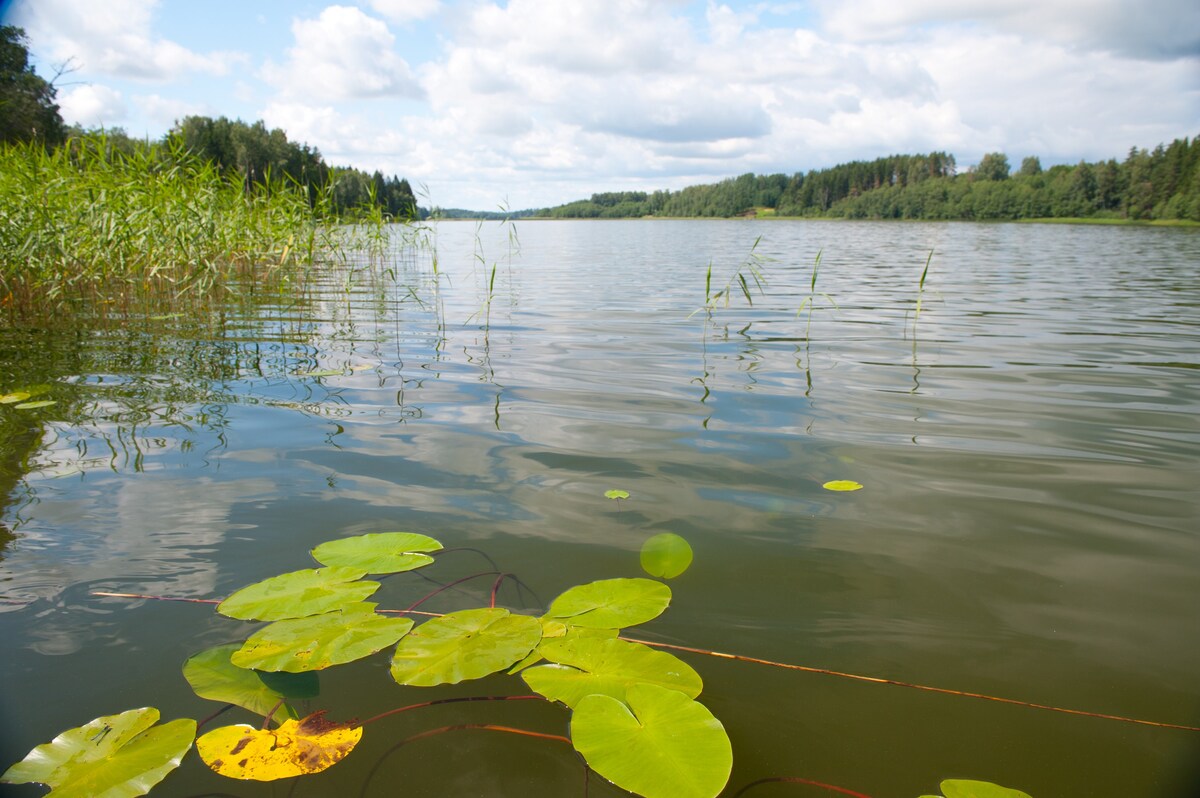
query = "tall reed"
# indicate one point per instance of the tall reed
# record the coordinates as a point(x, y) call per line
point(87, 221)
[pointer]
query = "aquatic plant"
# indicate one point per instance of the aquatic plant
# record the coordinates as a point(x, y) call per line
point(810, 301)
point(920, 293)
point(90, 221)
point(634, 715)
point(752, 265)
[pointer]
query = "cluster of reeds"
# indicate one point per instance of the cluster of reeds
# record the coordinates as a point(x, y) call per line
point(89, 221)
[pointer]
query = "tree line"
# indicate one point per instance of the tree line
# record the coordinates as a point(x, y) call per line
point(261, 159)
point(1147, 185)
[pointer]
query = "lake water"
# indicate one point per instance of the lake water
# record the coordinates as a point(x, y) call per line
point(1029, 526)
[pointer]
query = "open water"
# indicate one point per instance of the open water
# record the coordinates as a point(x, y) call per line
point(1029, 525)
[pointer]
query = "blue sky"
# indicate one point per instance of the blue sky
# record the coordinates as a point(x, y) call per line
point(538, 102)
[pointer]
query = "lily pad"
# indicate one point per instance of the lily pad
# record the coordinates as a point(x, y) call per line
point(611, 603)
point(378, 552)
point(293, 749)
point(586, 666)
point(116, 756)
point(660, 744)
point(213, 676)
point(321, 641)
point(468, 644)
point(35, 405)
point(558, 631)
point(842, 485)
point(298, 594)
point(666, 555)
point(966, 788)
point(616, 494)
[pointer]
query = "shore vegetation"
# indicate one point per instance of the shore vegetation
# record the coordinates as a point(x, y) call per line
point(1159, 185)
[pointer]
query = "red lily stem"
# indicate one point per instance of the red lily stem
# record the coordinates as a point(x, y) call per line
point(496, 588)
point(461, 727)
point(798, 780)
point(459, 700)
point(942, 690)
point(428, 596)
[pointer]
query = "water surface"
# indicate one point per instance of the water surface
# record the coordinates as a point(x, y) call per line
point(1028, 527)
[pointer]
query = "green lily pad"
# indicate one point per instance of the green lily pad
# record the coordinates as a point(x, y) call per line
point(666, 555)
point(213, 676)
point(661, 744)
point(378, 552)
point(616, 494)
point(842, 485)
point(21, 395)
point(611, 603)
point(965, 788)
point(35, 405)
point(114, 756)
point(298, 594)
point(468, 644)
point(321, 641)
point(558, 631)
point(586, 666)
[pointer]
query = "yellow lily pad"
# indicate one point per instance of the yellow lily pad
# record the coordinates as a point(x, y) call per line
point(842, 485)
point(296, 748)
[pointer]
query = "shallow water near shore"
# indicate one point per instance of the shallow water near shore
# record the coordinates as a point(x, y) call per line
point(1029, 525)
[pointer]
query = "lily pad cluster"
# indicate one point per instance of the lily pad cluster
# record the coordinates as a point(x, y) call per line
point(634, 715)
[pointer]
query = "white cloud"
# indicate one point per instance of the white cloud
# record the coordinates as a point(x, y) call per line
point(634, 92)
point(93, 106)
point(406, 10)
point(114, 39)
point(165, 111)
point(1145, 29)
point(546, 102)
point(342, 54)
point(315, 125)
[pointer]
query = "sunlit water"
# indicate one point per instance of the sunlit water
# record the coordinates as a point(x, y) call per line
point(1029, 526)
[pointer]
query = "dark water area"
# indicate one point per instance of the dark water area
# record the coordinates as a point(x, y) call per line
point(1029, 525)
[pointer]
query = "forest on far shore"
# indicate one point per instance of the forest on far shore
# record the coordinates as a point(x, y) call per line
point(1147, 185)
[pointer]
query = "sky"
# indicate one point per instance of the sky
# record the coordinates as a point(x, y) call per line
point(532, 103)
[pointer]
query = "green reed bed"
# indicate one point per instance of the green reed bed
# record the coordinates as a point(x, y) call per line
point(89, 222)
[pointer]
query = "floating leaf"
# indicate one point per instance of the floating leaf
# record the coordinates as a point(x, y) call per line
point(468, 644)
point(666, 555)
point(321, 641)
point(35, 405)
point(213, 676)
point(842, 484)
point(553, 630)
point(661, 744)
point(378, 552)
point(298, 594)
point(965, 788)
point(115, 756)
point(294, 749)
point(616, 494)
point(23, 394)
point(586, 666)
point(611, 603)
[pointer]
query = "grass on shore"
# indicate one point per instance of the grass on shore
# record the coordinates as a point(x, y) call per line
point(88, 222)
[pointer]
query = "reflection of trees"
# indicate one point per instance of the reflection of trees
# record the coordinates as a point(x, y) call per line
point(126, 385)
point(154, 376)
